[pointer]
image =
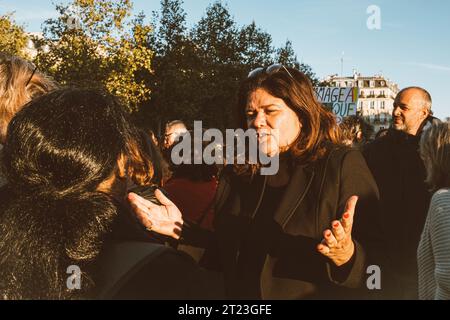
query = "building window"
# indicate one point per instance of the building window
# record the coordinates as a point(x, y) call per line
point(372, 104)
point(382, 104)
point(372, 83)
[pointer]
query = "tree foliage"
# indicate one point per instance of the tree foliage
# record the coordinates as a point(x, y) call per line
point(94, 43)
point(163, 70)
point(13, 38)
point(286, 56)
point(174, 81)
point(255, 46)
point(198, 71)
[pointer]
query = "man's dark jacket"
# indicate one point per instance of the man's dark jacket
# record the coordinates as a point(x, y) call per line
point(399, 172)
point(315, 196)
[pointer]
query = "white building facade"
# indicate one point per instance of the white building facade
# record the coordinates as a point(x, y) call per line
point(376, 97)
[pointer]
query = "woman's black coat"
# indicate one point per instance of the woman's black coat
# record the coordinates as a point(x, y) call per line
point(315, 196)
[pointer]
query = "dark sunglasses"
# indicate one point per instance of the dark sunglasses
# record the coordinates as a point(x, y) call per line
point(269, 70)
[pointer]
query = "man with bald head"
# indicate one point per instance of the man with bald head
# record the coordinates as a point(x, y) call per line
point(400, 174)
point(412, 107)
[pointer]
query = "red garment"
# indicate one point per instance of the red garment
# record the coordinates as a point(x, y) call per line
point(193, 198)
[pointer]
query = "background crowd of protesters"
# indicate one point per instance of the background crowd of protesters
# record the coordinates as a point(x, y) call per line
point(82, 186)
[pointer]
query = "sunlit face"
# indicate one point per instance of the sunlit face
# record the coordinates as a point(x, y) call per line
point(409, 111)
point(277, 125)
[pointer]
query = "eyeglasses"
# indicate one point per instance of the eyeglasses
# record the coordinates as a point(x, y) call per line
point(32, 74)
point(269, 70)
point(4, 58)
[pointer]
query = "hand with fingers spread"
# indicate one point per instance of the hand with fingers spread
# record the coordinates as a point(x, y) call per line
point(164, 219)
point(337, 243)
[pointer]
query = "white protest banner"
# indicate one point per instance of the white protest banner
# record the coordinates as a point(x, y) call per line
point(342, 101)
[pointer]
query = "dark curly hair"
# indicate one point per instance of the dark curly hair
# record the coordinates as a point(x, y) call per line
point(60, 147)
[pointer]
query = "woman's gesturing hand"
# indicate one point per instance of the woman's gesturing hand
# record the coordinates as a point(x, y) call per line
point(164, 219)
point(337, 243)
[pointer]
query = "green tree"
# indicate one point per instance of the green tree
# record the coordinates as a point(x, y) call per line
point(174, 81)
point(197, 72)
point(13, 38)
point(171, 31)
point(216, 35)
point(255, 47)
point(216, 38)
point(94, 43)
point(286, 56)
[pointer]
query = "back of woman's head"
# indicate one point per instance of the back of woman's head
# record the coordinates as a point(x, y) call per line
point(20, 82)
point(60, 148)
point(435, 151)
point(295, 89)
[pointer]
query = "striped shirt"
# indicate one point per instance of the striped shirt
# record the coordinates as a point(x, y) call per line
point(433, 253)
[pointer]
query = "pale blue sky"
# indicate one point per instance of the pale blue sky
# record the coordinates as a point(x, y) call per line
point(412, 47)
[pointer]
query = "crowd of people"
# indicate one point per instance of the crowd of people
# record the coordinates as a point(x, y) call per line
point(82, 186)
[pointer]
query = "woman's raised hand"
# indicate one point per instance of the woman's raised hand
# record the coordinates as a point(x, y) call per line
point(337, 243)
point(164, 219)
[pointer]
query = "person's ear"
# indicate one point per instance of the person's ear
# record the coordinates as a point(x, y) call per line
point(425, 113)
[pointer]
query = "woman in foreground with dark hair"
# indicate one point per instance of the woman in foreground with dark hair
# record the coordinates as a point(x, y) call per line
point(68, 156)
point(312, 228)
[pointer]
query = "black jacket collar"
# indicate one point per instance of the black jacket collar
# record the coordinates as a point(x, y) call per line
point(299, 184)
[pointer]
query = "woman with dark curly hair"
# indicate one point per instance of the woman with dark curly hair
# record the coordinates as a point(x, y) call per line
point(68, 158)
point(307, 231)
